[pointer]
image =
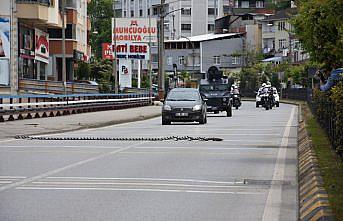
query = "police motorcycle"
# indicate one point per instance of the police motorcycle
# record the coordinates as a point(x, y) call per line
point(267, 97)
point(236, 97)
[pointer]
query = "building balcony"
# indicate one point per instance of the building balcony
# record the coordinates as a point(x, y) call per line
point(55, 46)
point(36, 11)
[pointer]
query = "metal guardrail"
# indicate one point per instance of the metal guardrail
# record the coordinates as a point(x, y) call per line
point(56, 87)
point(28, 106)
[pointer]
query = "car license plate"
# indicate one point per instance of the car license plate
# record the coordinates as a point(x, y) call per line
point(181, 114)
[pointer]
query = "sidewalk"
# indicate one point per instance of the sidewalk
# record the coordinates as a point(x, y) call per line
point(9, 129)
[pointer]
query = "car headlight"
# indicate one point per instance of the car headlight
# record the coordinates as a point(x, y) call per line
point(197, 107)
point(167, 107)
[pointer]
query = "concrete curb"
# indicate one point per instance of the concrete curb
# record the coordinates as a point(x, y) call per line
point(313, 198)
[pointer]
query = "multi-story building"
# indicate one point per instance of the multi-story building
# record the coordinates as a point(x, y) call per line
point(77, 39)
point(198, 53)
point(178, 22)
point(32, 31)
point(278, 40)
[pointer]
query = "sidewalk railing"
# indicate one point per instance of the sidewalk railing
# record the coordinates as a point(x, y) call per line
point(29, 106)
point(55, 87)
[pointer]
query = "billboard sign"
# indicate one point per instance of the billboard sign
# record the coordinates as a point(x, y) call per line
point(128, 50)
point(5, 50)
point(107, 51)
point(4, 37)
point(133, 51)
point(42, 46)
point(136, 30)
point(125, 73)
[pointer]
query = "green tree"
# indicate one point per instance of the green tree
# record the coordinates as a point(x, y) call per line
point(83, 71)
point(100, 12)
point(319, 27)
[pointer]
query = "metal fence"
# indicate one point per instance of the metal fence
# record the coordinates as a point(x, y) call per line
point(325, 112)
point(17, 107)
point(55, 87)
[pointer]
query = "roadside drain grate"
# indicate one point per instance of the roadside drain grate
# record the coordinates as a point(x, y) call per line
point(171, 138)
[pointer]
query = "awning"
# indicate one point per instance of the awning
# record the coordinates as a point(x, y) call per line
point(273, 59)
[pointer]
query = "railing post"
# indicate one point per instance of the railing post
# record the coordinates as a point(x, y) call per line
point(1, 117)
point(11, 118)
point(20, 116)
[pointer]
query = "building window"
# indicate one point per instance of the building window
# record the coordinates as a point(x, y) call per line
point(186, 11)
point(282, 43)
point(181, 60)
point(216, 60)
point(155, 11)
point(259, 4)
point(186, 27)
point(140, 13)
point(236, 60)
point(169, 61)
point(245, 4)
point(132, 14)
point(210, 27)
point(281, 25)
point(124, 13)
point(148, 11)
point(211, 11)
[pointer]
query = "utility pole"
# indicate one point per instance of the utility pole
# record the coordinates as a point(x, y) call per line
point(149, 62)
point(64, 71)
point(114, 64)
point(161, 52)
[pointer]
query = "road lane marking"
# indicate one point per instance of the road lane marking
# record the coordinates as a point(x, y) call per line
point(141, 190)
point(61, 169)
point(12, 177)
point(273, 204)
point(59, 183)
point(149, 179)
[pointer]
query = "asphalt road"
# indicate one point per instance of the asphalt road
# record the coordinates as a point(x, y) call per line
point(251, 175)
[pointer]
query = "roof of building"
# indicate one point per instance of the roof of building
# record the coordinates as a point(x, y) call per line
point(272, 59)
point(206, 37)
point(282, 14)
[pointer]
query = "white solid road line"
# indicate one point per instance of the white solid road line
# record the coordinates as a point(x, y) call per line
point(273, 204)
point(140, 190)
point(52, 183)
point(147, 179)
point(12, 177)
point(70, 166)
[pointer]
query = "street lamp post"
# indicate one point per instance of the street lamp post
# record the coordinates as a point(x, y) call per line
point(114, 64)
point(161, 52)
point(193, 54)
point(162, 15)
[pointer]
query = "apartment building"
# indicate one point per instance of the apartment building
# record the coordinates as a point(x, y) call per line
point(197, 54)
point(31, 32)
point(77, 40)
point(278, 40)
point(178, 22)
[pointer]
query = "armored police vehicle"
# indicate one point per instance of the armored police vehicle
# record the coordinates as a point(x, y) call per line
point(215, 89)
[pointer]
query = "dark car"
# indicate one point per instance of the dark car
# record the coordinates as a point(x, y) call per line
point(218, 97)
point(184, 105)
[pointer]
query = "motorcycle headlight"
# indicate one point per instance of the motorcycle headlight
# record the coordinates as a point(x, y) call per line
point(197, 107)
point(167, 107)
point(235, 95)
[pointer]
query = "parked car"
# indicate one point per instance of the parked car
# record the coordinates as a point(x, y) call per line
point(184, 105)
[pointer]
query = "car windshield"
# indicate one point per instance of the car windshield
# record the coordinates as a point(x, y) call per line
point(214, 87)
point(183, 96)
